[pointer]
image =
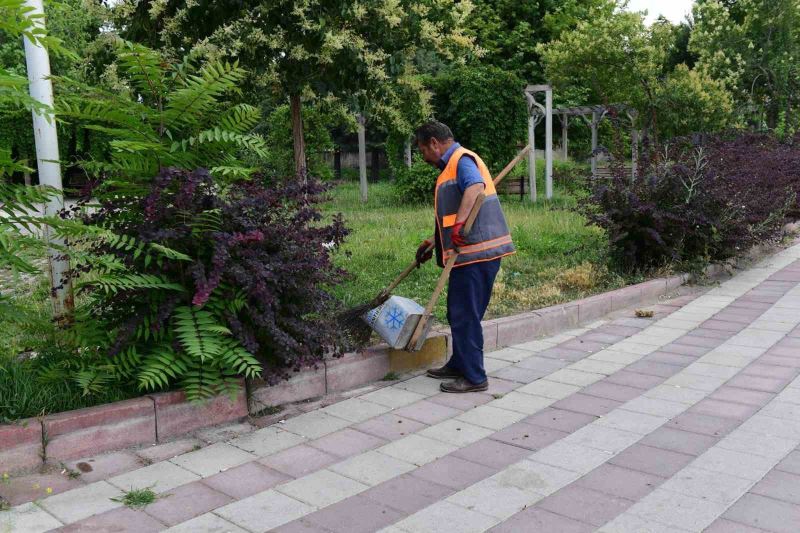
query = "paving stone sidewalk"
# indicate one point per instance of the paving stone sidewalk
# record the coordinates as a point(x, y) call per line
point(689, 421)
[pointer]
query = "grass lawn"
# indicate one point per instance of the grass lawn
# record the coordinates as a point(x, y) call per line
point(559, 258)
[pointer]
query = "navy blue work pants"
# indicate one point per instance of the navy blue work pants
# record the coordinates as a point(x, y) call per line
point(468, 294)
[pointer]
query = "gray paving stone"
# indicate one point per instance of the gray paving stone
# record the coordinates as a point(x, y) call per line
point(639, 423)
point(456, 432)
point(603, 438)
point(355, 410)
point(744, 465)
point(416, 449)
point(585, 505)
point(523, 403)
point(314, 424)
point(421, 385)
point(714, 486)
point(160, 477)
point(654, 406)
point(533, 476)
point(765, 513)
point(81, 503)
point(758, 444)
point(347, 443)
point(620, 482)
point(168, 450)
point(575, 377)
point(580, 459)
point(495, 498)
point(671, 508)
point(513, 355)
point(393, 397)
point(491, 417)
point(654, 368)
point(264, 511)
point(598, 366)
point(446, 517)
point(267, 441)
point(225, 432)
point(674, 393)
point(549, 389)
point(212, 459)
point(322, 488)
point(629, 523)
point(518, 374)
point(462, 402)
point(542, 364)
point(28, 517)
point(564, 354)
point(206, 523)
point(389, 426)
point(427, 412)
point(726, 526)
point(372, 468)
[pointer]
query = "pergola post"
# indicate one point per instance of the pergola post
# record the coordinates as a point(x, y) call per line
point(362, 157)
point(47, 161)
point(532, 143)
point(547, 111)
point(564, 134)
point(595, 124)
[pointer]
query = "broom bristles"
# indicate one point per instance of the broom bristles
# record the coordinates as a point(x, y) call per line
point(353, 323)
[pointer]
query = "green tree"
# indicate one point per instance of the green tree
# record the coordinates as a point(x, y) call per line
point(360, 52)
point(753, 46)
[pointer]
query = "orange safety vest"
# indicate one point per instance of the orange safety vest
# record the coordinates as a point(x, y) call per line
point(490, 238)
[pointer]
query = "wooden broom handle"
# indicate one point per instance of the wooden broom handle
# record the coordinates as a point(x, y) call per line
point(416, 338)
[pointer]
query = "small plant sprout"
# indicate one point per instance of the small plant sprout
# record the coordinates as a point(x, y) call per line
point(137, 498)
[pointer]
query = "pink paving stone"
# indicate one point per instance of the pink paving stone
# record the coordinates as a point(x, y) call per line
point(427, 412)
point(186, 502)
point(736, 318)
point(500, 386)
point(299, 460)
point(765, 513)
point(564, 354)
point(683, 349)
point(745, 396)
point(245, 480)
point(355, 515)
point(407, 494)
point(651, 460)
point(676, 440)
point(759, 383)
point(770, 371)
point(31, 487)
point(789, 354)
point(168, 450)
point(737, 411)
point(560, 419)
point(300, 526)
point(462, 402)
point(652, 368)
point(633, 322)
point(790, 463)
point(714, 426)
point(518, 374)
point(612, 391)
point(726, 526)
point(722, 325)
point(453, 472)
point(121, 520)
point(603, 338)
point(585, 505)
point(620, 482)
point(105, 466)
point(709, 334)
point(617, 331)
point(491, 453)
point(789, 343)
point(347, 443)
point(534, 519)
point(20, 445)
point(634, 379)
point(671, 358)
point(780, 486)
point(590, 405)
point(176, 416)
point(390, 426)
point(528, 436)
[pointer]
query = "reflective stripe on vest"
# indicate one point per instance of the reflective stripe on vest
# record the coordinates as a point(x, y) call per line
point(489, 238)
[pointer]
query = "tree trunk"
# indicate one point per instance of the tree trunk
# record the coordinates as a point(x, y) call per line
point(297, 136)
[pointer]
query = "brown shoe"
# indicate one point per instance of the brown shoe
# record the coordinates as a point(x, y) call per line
point(444, 372)
point(461, 385)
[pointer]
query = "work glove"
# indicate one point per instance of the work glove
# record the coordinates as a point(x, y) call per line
point(458, 239)
point(423, 254)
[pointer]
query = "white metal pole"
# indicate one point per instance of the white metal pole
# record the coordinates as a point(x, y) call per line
point(407, 153)
point(362, 157)
point(532, 144)
point(47, 161)
point(548, 156)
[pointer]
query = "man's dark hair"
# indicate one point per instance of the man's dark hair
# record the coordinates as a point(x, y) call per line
point(433, 130)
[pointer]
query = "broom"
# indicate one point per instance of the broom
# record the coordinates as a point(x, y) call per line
point(351, 321)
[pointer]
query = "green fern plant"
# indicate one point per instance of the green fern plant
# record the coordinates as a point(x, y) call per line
point(173, 115)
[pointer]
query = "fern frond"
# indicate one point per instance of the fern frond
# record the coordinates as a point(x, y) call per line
point(199, 333)
point(112, 283)
point(240, 118)
point(143, 66)
point(200, 93)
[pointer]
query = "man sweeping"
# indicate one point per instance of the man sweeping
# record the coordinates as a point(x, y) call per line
point(463, 178)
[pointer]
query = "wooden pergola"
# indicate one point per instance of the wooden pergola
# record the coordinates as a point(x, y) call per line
point(592, 115)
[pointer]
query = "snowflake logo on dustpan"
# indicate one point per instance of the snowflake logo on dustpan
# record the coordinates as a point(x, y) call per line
point(395, 318)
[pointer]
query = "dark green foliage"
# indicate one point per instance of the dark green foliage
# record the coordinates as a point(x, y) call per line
point(485, 109)
point(279, 159)
point(416, 184)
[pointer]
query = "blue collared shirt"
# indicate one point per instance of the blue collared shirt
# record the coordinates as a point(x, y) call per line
point(467, 173)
